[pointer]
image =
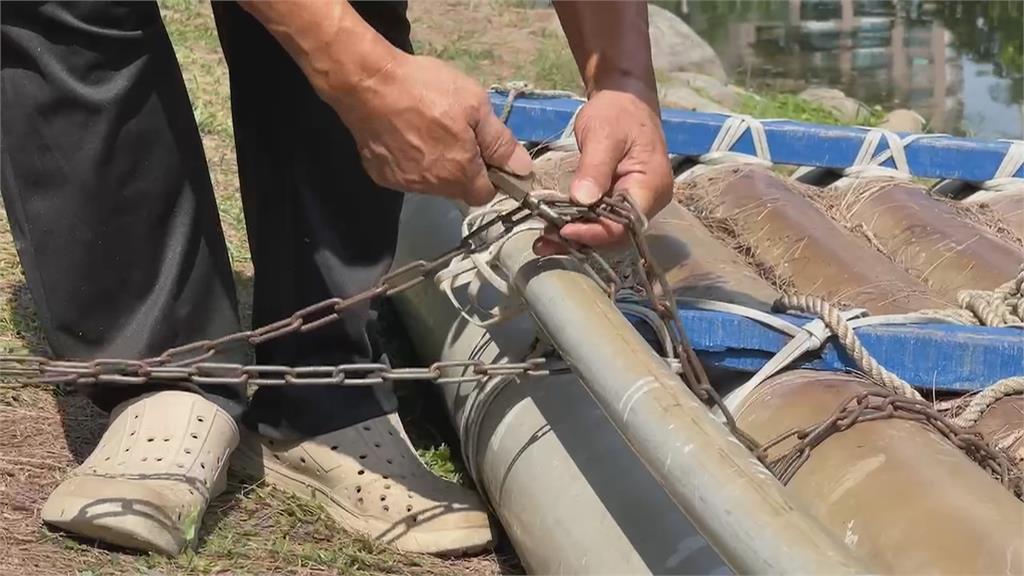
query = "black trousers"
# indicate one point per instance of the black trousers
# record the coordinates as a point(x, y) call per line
point(109, 197)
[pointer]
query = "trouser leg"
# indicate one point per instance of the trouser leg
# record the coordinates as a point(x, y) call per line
point(318, 225)
point(106, 185)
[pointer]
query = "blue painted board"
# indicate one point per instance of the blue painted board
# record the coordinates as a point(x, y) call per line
point(691, 134)
point(943, 357)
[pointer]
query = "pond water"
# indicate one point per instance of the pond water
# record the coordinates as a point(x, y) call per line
point(958, 64)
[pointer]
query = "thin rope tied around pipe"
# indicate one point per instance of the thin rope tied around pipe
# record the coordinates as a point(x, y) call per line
point(868, 163)
point(1003, 180)
point(566, 141)
point(521, 89)
point(833, 318)
point(734, 127)
point(986, 398)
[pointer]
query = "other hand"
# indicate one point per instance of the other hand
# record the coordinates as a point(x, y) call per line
point(622, 148)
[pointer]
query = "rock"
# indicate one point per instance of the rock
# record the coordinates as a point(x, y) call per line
point(705, 86)
point(845, 108)
point(741, 93)
point(675, 47)
point(685, 98)
point(903, 120)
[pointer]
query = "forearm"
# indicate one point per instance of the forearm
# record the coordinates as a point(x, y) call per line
point(610, 43)
point(336, 49)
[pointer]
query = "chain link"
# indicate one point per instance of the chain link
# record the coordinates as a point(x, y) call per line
point(870, 405)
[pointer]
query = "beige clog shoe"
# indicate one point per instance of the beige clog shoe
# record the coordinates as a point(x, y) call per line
point(371, 481)
point(150, 478)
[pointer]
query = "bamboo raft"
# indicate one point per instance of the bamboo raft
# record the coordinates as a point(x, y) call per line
point(616, 468)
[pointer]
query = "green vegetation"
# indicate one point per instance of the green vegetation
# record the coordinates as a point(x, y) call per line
point(474, 60)
point(793, 107)
point(553, 67)
point(439, 460)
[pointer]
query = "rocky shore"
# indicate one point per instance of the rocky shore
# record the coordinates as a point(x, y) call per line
point(691, 77)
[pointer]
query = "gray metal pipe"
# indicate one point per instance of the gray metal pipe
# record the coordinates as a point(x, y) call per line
point(738, 506)
point(570, 493)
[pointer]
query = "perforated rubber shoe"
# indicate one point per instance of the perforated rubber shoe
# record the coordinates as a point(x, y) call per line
point(370, 480)
point(150, 478)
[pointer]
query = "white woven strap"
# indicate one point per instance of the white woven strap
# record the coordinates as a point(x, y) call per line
point(1004, 179)
point(734, 127)
point(566, 141)
point(805, 338)
point(721, 151)
point(651, 318)
point(868, 163)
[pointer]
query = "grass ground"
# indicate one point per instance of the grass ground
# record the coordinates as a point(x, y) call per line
point(250, 529)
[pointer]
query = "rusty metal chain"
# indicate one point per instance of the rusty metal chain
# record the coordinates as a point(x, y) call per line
point(655, 286)
point(187, 363)
point(212, 373)
point(189, 366)
point(870, 405)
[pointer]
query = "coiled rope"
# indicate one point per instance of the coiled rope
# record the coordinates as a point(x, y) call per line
point(986, 398)
point(1002, 307)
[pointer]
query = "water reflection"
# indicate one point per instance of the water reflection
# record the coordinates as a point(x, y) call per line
point(958, 64)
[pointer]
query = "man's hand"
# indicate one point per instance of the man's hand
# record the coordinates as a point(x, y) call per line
point(621, 149)
point(422, 126)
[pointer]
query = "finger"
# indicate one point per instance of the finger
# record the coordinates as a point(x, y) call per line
point(548, 247)
point(599, 157)
point(499, 148)
point(603, 232)
point(481, 189)
point(650, 189)
point(549, 243)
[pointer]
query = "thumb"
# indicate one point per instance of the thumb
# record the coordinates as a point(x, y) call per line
point(499, 148)
point(599, 158)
